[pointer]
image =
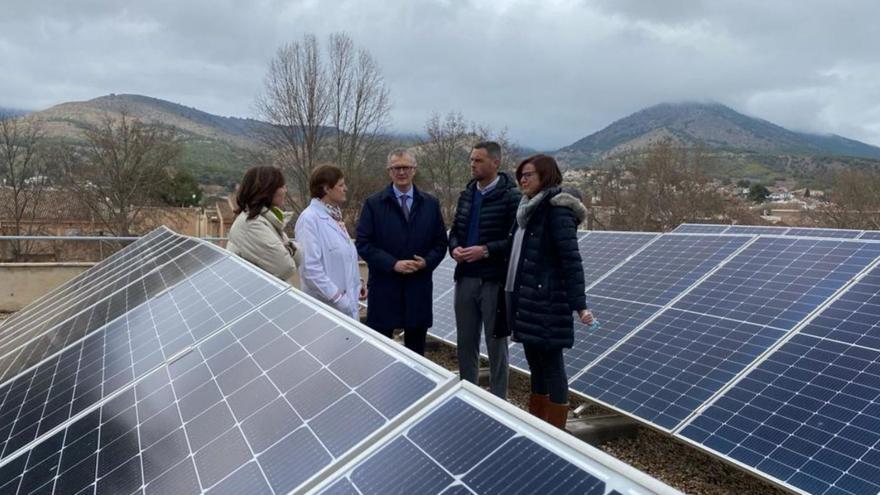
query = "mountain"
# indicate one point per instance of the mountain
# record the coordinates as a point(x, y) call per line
point(12, 112)
point(721, 131)
point(215, 149)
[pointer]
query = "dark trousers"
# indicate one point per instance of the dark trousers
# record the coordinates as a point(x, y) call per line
point(547, 370)
point(413, 338)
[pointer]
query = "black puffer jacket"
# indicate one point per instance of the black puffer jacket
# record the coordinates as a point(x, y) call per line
point(497, 216)
point(549, 283)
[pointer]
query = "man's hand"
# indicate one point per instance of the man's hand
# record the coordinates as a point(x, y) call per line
point(420, 262)
point(405, 266)
point(457, 253)
point(586, 316)
point(473, 253)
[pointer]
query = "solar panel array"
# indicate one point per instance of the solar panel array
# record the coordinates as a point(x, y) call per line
point(178, 368)
point(688, 315)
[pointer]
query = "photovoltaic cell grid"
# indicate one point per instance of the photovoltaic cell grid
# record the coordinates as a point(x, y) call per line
point(125, 350)
point(669, 368)
point(872, 235)
point(258, 408)
point(777, 281)
point(85, 298)
point(809, 414)
point(666, 267)
point(429, 458)
point(602, 251)
point(123, 300)
point(699, 228)
point(143, 244)
point(50, 310)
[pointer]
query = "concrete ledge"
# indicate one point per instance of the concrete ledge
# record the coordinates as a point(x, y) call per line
point(22, 283)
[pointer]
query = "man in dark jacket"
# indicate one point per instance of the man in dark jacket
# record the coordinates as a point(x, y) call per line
point(402, 237)
point(479, 242)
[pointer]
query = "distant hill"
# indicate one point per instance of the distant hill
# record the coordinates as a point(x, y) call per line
point(12, 112)
point(216, 148)
point(736, 138)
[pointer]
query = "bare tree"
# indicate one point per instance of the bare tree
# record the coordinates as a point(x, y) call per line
point(662, 188)
point(23, 175)
point(325, 106)
point(443, 156)
point(853, 201)
point(121, 169)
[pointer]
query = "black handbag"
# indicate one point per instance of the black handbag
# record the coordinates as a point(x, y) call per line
point(502, 326)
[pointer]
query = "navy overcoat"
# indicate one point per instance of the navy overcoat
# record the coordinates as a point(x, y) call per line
point(384, 236)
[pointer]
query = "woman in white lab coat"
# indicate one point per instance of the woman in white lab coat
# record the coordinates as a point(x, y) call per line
point(329, 271)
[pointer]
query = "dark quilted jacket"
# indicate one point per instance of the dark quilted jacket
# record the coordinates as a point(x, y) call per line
point(497, 216)
point(549, 283)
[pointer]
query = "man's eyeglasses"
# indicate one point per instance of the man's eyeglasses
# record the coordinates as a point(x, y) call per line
point(401, 170)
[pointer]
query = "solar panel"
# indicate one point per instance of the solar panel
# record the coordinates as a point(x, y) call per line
point(133, 249)
point(666, 267)
point(854, 318)
point(465, 443)
point(756, 229)
point(28, 347)
point(809, 232)
point(260, 406)
point(443, 277)
point(670, 367)
point(807, 417)
point(777, 281)
point(118, 354)
point(602, 251)
point(699, 228)
point(49, 310)
point(873, 235)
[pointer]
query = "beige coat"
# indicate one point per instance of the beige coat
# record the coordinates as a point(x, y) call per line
point(262, 242)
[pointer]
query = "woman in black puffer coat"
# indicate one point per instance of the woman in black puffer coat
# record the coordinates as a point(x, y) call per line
point(545, 282)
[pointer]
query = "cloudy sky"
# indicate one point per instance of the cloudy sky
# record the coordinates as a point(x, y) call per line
point(551, 71)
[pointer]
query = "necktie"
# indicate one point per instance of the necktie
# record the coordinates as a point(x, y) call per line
point(404, 207)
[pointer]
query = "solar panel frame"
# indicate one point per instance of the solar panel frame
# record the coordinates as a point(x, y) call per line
point(617, 476)
point(699, 228)
point(756, 229)
point(870, 235)
point(823, 232)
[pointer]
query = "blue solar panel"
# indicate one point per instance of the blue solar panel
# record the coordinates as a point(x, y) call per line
point(618, 318)
point(458, 448)
point(807, 416)
point(263, 404)
point(602, 251)
point(777, 281)
point(756, 229)
point(669, 368)
point(854, 318)
point(126, 350)
point(871, 235)
point(699, 228)
point(836, 233)
point(665, 268)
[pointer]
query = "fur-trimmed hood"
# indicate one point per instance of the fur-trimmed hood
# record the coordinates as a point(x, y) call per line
point(570, 199)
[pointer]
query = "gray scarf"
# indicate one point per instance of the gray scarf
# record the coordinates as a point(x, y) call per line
point(527, 207)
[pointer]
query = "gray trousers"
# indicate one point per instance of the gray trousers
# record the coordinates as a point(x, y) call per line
point(475, 305)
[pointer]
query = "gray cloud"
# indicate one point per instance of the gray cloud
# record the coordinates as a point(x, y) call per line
point(550, 71)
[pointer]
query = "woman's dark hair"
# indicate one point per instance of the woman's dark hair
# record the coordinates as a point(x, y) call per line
point(545, 166)
point(257, 189)
point(325, 175)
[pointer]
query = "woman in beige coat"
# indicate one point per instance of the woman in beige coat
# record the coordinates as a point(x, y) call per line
point(257, 235)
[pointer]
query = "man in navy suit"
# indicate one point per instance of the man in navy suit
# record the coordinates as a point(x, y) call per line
point(402, 237)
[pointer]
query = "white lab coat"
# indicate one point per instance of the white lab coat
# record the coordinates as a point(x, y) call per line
point(330, 260)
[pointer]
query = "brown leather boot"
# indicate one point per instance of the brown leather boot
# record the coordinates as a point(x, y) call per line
point(557, 414)
point(538, 405)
